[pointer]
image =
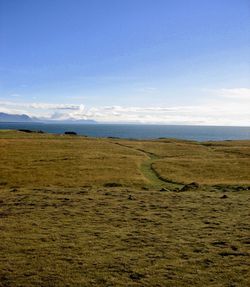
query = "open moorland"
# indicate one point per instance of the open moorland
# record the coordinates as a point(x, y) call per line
point(79, 211)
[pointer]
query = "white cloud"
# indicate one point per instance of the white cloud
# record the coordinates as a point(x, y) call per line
point(237, 94)
point(47, 106)
point(51, 106)
point(225, 107)
point(9, 110)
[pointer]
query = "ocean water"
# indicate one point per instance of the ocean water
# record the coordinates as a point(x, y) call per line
point(198, 133)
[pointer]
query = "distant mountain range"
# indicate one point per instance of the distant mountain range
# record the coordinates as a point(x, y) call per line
point(11, 118)
point(14, 118)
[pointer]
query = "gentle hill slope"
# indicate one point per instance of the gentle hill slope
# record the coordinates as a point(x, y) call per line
point(68, 161)
point(78, 211)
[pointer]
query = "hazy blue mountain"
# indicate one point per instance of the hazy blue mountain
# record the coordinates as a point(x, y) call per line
point(68, 121)
point(4, 117)
point(14, 118)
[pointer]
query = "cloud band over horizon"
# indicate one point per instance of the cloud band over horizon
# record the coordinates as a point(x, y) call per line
point(228, 107)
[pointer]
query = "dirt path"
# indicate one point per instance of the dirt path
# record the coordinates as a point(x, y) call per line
point(148, 171)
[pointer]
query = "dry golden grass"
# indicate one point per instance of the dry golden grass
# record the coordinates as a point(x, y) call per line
point(50, 160)
point(123, 237)
point(170, 148)
point(205, 170)
point(41, 160)
point(211, 163)
point(59, 225)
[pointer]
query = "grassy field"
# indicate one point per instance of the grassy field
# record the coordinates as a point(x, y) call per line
point(210, 163)
point(78, 211)
point(42, 160)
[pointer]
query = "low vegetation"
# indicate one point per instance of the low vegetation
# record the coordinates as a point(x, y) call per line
point(68, 161)
point(209, 163)
point(77, 211)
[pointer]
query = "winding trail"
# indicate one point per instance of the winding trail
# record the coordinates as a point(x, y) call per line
point(148, 170)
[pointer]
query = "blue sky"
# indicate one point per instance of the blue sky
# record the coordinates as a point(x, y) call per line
point(164, 61)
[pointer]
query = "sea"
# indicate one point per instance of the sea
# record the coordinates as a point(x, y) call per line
point(134, 131)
